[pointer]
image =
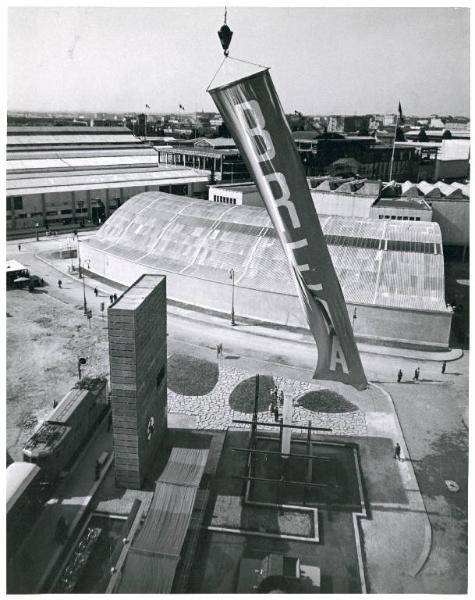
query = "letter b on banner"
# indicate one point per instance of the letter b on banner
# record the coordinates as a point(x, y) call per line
point(252, 119)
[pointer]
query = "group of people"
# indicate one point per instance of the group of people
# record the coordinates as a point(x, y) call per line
point(417, 373)
point(277, 401)
point(113, 298)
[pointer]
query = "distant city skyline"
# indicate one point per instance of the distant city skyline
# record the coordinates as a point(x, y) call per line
point(323, 61)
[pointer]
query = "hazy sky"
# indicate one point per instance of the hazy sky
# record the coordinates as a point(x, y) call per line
point(343, 60)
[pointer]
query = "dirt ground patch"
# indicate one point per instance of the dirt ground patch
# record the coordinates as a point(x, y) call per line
point(42, 359)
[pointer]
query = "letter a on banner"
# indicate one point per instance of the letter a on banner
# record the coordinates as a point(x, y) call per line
point(252, 112)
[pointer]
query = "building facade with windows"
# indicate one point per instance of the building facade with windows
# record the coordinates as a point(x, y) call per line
point(57, 176)
point(218, 156)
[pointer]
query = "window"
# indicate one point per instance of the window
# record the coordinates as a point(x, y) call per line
point(381, 216)
point(393, 217)
point(418, 218)
point(68, 211)
point(9, 203)
point(18, 202)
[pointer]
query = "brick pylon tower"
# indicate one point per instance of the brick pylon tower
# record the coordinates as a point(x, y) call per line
point(138, 368)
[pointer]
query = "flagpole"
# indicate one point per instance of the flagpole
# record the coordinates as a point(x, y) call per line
point(394, 145)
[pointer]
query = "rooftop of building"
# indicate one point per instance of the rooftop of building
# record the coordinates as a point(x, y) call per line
point(51, 139)
point(245, 188)
point(47, 437)
point(219, 142)
point(64, 130)
point(394, 263)
point(46, 182)
point(19, 476)
point(454, 150)
point(13, 266)
point(133, 297)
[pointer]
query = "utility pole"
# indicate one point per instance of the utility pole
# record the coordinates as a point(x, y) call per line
point(81, 276)
point(231, 275)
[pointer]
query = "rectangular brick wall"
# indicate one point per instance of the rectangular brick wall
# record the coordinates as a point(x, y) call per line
point(138, 363)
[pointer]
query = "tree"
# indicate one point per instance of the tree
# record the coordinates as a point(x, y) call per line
point(400, 135)
point(422, 137)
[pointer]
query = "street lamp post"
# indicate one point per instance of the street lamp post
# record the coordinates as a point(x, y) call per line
point(354, 318)
point(37, 236)
point(231, 275)
point(81, 276)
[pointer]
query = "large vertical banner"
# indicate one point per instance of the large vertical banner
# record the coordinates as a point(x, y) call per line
point(252, 112)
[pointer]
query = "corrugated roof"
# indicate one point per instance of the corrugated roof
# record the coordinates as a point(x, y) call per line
point(463, 187)
point(410, 189)
point(67, 153)
point(429, 190)
point(33, 140)
point(76, 163)
point(155, 553)
point(64, 129)
point(165, 176)
point(65, 409)
point(203, 239)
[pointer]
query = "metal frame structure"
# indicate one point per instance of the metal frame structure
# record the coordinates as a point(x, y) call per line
point(252, 451)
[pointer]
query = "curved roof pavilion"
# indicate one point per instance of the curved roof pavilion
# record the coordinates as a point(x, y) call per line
point(378, 262)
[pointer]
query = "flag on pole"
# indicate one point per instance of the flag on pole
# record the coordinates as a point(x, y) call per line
point(401, 117)
point(253, 114)
point(147, 106)
point(182, 107)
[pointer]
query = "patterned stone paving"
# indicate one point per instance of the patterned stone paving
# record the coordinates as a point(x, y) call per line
point(213, 411)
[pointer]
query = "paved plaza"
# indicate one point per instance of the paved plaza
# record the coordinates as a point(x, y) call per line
point(214, 410)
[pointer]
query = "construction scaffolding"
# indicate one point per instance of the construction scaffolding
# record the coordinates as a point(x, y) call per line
point(285, 453)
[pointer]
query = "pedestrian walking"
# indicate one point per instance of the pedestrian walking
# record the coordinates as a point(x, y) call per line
point(399, 376)
point(397, 451)
point(111, 298)
point(19, 247)
point(219, 350)
point(444, 366)
point(115, 297)
point(96, 292)
point(416, 374)
point(60, 283)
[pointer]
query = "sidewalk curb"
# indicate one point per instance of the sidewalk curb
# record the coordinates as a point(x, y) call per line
point(426, 550)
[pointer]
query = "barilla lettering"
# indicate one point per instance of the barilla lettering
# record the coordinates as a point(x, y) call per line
point(252, 120)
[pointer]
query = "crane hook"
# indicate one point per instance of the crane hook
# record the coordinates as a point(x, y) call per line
point(225, 35)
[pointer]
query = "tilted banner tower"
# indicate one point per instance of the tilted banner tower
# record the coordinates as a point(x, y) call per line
point(253, 114)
